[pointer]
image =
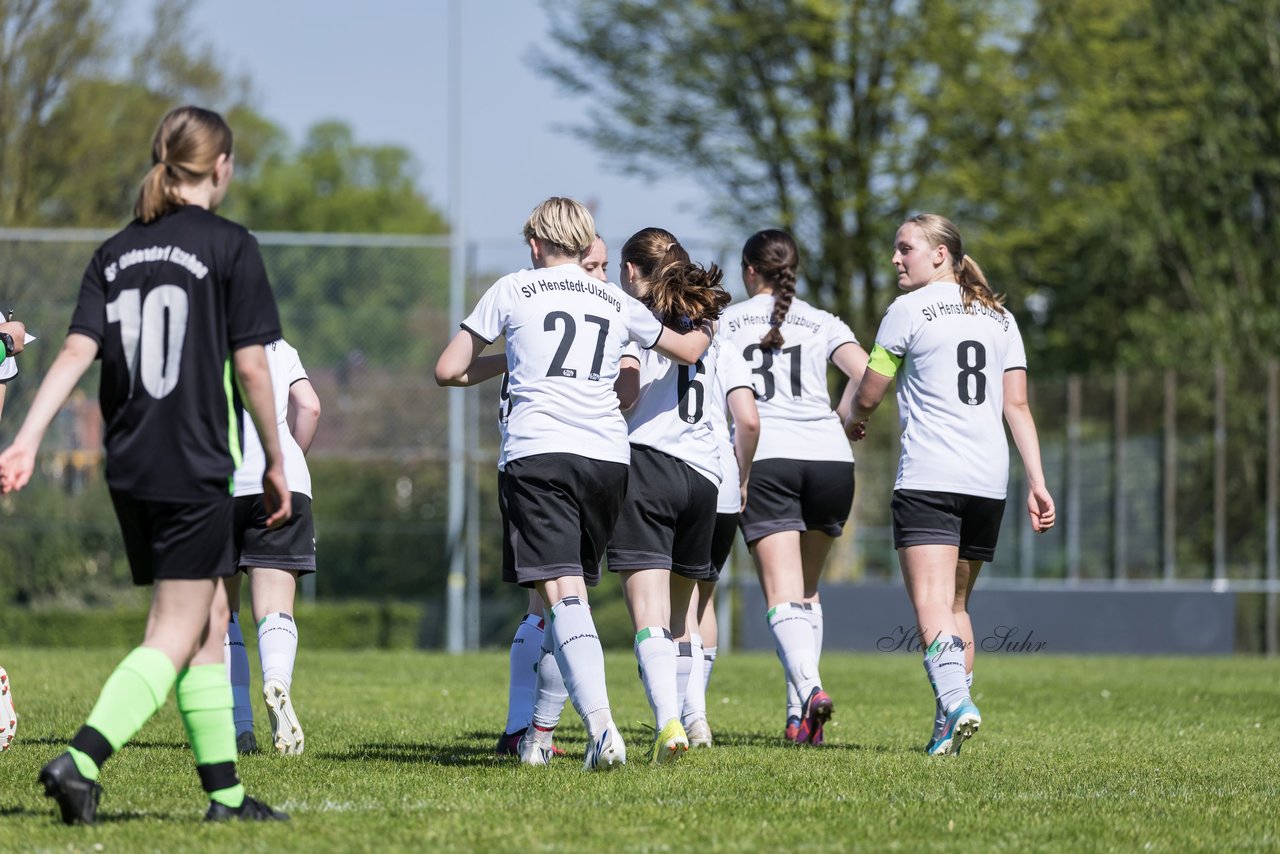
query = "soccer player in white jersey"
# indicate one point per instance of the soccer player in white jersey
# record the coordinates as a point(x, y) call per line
point(961, 366)
point(802, 477)
point(535, 684)
point(566, 448)
point(13, 337)
point(661, 544)
point(696, 647)
point(274, 558)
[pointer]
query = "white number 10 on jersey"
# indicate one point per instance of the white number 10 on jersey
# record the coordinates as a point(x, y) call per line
point(155, 329)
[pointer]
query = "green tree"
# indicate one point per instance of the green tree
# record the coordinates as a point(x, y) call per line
point(799, 113)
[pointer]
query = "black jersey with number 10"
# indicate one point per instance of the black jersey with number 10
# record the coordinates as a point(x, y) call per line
point(168, 303)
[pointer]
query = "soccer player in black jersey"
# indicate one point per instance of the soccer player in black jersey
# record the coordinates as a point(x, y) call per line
point(177, 306)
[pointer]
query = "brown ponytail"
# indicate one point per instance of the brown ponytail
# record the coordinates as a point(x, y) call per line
point(940, 231)
point(184, 151)
point(775, 258)
point(684, 295)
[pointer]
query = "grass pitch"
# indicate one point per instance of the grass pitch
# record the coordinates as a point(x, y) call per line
point(1074, 753)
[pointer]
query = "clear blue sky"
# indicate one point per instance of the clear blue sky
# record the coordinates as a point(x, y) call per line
point(382, 66)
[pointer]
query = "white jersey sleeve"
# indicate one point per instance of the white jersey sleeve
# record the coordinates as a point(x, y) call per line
point(286, 369)
point(797, 421)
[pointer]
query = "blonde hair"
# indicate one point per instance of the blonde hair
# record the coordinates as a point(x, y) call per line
point(940, 231)
point(185, 150)
point(681, 293)
point(564, 224)
point(775, 258)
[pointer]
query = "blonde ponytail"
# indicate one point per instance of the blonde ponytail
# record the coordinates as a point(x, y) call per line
point(184, 150)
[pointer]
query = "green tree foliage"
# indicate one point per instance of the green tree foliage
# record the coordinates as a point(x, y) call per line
point(1114, 164)
point(798, 113)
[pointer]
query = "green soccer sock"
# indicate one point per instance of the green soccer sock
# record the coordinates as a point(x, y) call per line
point(204, 699)
point(131, 695)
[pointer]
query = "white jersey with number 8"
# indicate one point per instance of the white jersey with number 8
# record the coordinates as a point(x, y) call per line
point(796, 419)
point(565, 332)
point(951, 389)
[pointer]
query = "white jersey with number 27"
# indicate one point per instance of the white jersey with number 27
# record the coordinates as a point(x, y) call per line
point(565, 332)
point(951, 389)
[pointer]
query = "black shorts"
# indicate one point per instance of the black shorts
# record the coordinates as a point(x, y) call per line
point(797, 495)
point(667, 518)
point(508, 556)
point(560, 510)
point(172, 540)
point(722, 542)
point(947, 519)
point(291, 546)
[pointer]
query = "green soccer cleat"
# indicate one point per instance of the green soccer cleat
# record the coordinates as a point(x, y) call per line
point(672, 742)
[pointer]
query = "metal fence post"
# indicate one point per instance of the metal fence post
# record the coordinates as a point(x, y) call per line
point(1119, 535)
point(1169, 498)
point(1073, 478)
point(1220, 472)
point(1273, 499)
point(456, 595)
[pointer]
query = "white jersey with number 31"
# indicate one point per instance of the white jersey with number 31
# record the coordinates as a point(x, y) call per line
point(951, 389)
point(565, 332)
point(796, 419)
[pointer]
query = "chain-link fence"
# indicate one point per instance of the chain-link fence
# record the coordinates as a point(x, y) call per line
point(1164, 478)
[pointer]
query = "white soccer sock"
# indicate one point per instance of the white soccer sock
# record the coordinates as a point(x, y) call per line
point(551, 693)
point(656, 652)
point(793, 635)
point(944, 664)
point(522, 684)
point(684, 666)
point(236, 658)
point(278, 647)
point(814, 611)
point(581, 658)
point(709, 663)
point(693, 705)
point(940, 716)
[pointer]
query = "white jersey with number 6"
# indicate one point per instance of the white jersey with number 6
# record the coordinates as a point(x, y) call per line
point(796, 419)
point(565, 332)
point(951, 389)
point(672, 414)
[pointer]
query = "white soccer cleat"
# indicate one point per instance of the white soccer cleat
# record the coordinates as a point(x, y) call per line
point(533, 753)
point(8, 717)
point(699, 733)
point(286, 732)
point(606, 752)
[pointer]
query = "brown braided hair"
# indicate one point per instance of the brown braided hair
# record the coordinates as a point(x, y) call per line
point(184, 150)
point(683, 295)
point(773, 255)
point(940, 231)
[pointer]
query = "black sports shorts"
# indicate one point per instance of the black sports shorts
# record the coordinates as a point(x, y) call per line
point(291, 546)
point(176, 540)
point(667, 519)
point(560, 511)
point(722, 542)
point(797, 495)
point(923, 518)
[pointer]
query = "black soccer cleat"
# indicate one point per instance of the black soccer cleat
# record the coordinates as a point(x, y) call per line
point(250, 810)
point(76, 794)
